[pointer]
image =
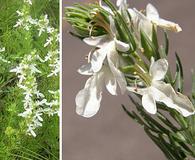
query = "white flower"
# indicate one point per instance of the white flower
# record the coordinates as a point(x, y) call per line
point(103, 67)
point(39, 94)
point(41, 30)
point(88, 99)
point(122, 4)
point(2, 49)
point(30, 130)
point(50, 29)
point(43, 24)
point(145, 22)
point(38, 116)
point(106, 45)
point(26, 113)
point(19, 23)
point(34, 69)
point(56, 68)
point(28, 1)
point(17, 70)
point(48, 41)
point(31, 20)
point(161, 92)
point(19, 13)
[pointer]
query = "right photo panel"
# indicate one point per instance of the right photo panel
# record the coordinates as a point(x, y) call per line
point(128, 80)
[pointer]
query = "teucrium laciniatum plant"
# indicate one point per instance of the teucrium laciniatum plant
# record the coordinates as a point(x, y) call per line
point(120, 37)
point(29, 79)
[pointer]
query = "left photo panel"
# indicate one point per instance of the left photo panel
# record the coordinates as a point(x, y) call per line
point(29, 79)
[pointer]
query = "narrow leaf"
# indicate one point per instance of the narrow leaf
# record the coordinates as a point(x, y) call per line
point(155, 41)
point(179, 70)
point(166, 43)
point(147, 45)
point(193, 86)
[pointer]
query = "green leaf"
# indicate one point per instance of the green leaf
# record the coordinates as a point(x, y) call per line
point(169, 152)
point(148, 47)
point(193, 86)
point(76, 35)
point(155, 42)
point(174, 81)
point(167, 122)
point(122, 36)
point(166, 43)
point(192, 126)
point(179, 70)
point(134, 116)
point(128, 69)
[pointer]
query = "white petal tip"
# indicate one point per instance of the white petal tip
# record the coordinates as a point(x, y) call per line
point(149, 103)
point(149, 5)
point(178, 28)
point(121, 46)
point(188, 114)
point(84, 114)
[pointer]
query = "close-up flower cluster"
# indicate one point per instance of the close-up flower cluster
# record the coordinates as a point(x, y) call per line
point(106, 59)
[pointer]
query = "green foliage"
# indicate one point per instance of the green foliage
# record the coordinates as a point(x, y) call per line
point(81, 18)
point(18, 43)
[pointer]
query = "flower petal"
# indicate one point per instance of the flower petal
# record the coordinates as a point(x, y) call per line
point(120, 2)
point(88, 99)
point(97, 58)
point(168, 25)
point(153, 15)
point(113, 61)
point(121, 46)
point(165, 93)
point(105, 7)
point(185, 106)
point(149, 103)
point(146, 27)
point(142, 22)
point(110, 81)
point(112, 26)
point(86, 69)
point(162, 96)
point(134, 16)
point(98, 41)
point(158, 69)
point(152, 12)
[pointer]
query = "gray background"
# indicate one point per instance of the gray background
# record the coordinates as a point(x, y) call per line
point(111, 134)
